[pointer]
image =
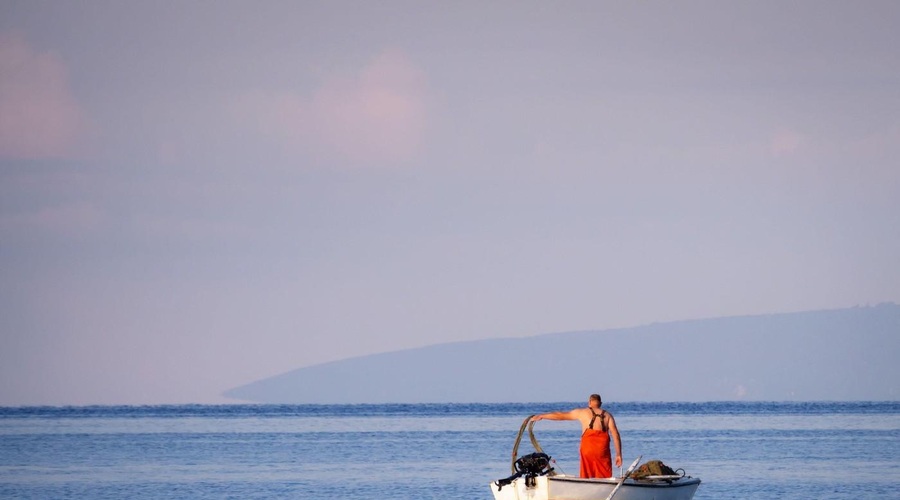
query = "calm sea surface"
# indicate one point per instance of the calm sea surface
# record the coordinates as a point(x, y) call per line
point(739, 450)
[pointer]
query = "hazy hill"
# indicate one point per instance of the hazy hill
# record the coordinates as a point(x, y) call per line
point(845, 354)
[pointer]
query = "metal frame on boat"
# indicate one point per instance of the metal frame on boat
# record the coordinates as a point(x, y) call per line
point(533, 479)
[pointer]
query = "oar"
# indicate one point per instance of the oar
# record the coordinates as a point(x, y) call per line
point(624, 477)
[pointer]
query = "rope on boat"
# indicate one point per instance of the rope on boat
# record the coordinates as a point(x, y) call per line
point(528, 423)
point(530, 466)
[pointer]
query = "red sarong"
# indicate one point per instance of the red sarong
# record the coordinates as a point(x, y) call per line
point(595, 457)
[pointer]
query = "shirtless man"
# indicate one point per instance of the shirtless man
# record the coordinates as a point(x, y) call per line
point(596, 427)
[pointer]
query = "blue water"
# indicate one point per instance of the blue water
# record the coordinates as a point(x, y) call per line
point(740, 450)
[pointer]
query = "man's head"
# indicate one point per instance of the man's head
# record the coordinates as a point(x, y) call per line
point(595, 401)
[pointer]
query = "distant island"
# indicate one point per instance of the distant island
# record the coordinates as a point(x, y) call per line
point(833, 355)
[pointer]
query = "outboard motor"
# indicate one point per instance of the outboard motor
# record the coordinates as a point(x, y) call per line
point(530, 466)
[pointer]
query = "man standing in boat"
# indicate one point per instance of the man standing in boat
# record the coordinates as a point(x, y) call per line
point(596, 427)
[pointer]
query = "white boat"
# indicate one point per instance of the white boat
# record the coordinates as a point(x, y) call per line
point(561, 487)
point(534, 479)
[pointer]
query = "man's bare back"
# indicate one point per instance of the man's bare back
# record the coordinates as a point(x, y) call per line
point(604, 421)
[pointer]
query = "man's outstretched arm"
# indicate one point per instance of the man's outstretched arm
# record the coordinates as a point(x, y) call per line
point(556, 415)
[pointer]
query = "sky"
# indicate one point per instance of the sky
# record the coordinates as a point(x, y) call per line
point(196, 195)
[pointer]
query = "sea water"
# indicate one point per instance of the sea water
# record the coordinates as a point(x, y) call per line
point(822, 450)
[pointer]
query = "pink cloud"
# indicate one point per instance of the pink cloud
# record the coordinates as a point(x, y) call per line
point(785, 142)
point(156, 227)
point(883, 143)
point(39, 116)
point(71, 219)
point(377, 115)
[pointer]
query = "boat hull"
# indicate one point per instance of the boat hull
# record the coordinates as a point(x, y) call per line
point(575, 488)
